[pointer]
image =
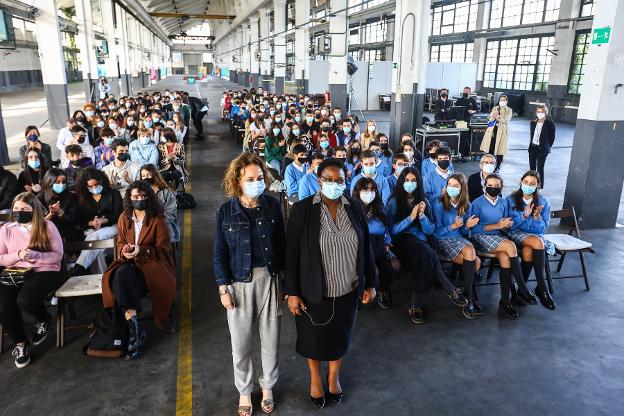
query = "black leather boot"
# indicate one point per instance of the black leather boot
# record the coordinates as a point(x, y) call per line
point(136, 339)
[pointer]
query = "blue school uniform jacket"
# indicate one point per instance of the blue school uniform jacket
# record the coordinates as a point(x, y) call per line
point(444, 219)
point(489, 214)
point(419, 228)
point(529, 225)
point(292, 177)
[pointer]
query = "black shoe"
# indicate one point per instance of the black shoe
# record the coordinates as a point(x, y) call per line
point(21, 352)
point(136, 339)
point(384, 299)
point(416, 315)
point(507, 311)
point(457, 297)
point(545, 299)
point(318, 401)
point(336, 397)
point(41, 331)
point(478, 310)
point(78, 270)
point(468, 311)
point(526, 298)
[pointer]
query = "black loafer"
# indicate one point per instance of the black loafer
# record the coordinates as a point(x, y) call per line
point(545, 299)
point(318, 401)
point(416, 315)
point(526, 298)
point(478, 310)
point(469, 311)
point(507, 311)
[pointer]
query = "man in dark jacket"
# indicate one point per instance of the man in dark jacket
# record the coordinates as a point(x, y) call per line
point(199, 108)
point(8, 188)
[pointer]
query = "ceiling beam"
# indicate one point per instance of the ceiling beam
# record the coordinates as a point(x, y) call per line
point(192, 15)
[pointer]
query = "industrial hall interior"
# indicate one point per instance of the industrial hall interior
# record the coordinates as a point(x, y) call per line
point(296, 207)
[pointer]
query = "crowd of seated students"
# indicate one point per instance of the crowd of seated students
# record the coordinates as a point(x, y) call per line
point(122, 163)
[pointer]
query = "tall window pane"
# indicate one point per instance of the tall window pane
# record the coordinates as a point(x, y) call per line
point(581, 47)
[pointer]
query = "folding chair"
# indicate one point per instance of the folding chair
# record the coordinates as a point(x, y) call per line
point(568, 243)
point(78, 286)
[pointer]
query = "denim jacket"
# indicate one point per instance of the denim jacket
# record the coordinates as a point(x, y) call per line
point(232, 245)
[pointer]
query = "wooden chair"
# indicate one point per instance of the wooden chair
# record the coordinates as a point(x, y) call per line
point(568, 243)
point(78, 286)
point(4, 217)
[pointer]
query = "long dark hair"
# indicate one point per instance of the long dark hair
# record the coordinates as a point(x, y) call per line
point(30, 172)
point(82, 189)
point(46, 184)
point(157, 178)
point(154, 207)
point(404, 208)
point(517, 195)
point(375, 209)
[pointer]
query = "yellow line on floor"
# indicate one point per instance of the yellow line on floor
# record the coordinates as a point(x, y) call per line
point(184, 389)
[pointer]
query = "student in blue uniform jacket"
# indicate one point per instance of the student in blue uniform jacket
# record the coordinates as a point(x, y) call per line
point(410, 223)
point(369, 170)
point(430, 162)
point(380, 166)
point(400, 163)
point(530, 213)
point(296, 171)
point(309, 186)
point(453, 222)
point(366, 191)
point(341, 154)
point(488, 235)
point(387, 154)
point(435, 181)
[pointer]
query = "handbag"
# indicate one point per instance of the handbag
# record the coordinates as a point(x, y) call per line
point(15, 276)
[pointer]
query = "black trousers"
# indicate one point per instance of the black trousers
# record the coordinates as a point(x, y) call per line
point(499, 158)
point(128, 286)
point(419, 259)
point(198, 123)
point(14, 301)
point(386, 272)
point(537, 161)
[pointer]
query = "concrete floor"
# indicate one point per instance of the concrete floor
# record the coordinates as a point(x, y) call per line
point(566, 362)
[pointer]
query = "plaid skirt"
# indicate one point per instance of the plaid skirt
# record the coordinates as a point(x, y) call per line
point(518, 237)
point(449, 248)
point(487, 242)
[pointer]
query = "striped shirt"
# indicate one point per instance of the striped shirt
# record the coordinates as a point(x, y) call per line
point(339, 249)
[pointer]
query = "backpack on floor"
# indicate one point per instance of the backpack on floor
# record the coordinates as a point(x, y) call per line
point(109, 338)
point(186, 200)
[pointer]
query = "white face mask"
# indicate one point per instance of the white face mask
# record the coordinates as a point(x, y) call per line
point(367, 196)
point(488, 168)
point(541, 116)
point(502, 103)
point(254, 189)
point(409, 155)
point(371, 129)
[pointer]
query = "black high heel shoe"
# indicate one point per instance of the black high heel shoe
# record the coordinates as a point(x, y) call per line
point(318, 401)
point(336, 397)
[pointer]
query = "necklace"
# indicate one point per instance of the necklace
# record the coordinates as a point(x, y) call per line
point(252, 205)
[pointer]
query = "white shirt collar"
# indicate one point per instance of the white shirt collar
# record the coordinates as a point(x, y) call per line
point(490, 201)
point(445, 175)
point(527, 201)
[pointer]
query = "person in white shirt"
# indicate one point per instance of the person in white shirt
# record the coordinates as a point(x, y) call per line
point(79, 137)
point(65, 136)
point(121, 172)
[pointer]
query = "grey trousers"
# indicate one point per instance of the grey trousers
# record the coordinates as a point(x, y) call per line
point(257, 300)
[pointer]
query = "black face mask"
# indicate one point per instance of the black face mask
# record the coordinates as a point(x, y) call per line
point(123, 157)
point(149, 180)
point(81, 139)
point(442, 95)
point(493, 192)
point(75, 163)
point(384, 146)
point(444, 164)
point(23, 217)
point(139, 204)
point(465, 95)
point(432, 155)
point(355, 150)
point(325, 128)
point(303, 160)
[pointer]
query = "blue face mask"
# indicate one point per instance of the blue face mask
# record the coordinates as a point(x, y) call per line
point(254, 189)
point(410, 187)
point(147, 124)
point(527, 189)
point(144, 140)
point(377, 153)
point(309, 119)
point(272, 112)
point(100, 124)
point(296, 132)
point(96, 190)
point(368, 170)
point(32, 138)
point(108, 140)
point(453, 191)
point(276, 131)
point(297, 119)
point(324, 145)
point(333, 190)
point(58, 188)
point(34, 164)
point(346, 129)
point(398, 170)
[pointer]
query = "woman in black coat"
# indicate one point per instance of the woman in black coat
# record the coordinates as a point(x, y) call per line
point(541, 140)
point(330, 266)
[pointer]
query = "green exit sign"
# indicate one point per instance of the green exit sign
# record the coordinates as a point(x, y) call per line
point(601, 35)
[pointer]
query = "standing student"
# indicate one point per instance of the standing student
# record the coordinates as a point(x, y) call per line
point(330, 265)
point(542, 139)
point(296, 171)
point(435, 181)
point(497, 134)
point(476, 181)
point(29, 241)
point(453, 222)
point(488, 236)
point(530, 212)
point(369, 170)
point(249, 254)
point(443, 107)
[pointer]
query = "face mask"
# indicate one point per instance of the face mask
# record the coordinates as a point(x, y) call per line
point(409, 154)
point(58, 188)
point(333, 190)
point(347, 130)
point(371, 129)
point(144, 140)
point(163, 140)
point(502, 103)
point(130, 122)
point(252, 115)
point(325, 128)
point(147, 124)
point(297, 119)
point(302, 160)
point(493, 192)
point(309, 119)
point(432, 155)
point(323, 112)
point(337, 116)
point(23, 217)
point(254, 189)
point(32, 138)
point(156, 119)
point(398, 170)
point(278, 106)
point(108, 140)
point(296, 132)
point(367, 196)
point(527, 189)
point(444, 164)
point(324, 145)
point(278, 119)
point(96, 190)
point(89, 113)
point(541, 116)
point(453, 191)
point(112, 126)
point(100, 124)
point(465, 95)
point(488, 168)
point(272, 112)
point(123, 157)
point(410, 187)
point(34, 164)
point(276, 131)
point(384, 146)
point(139, 204)
point(377, 153)
point(368, 170)
point(355, 150)
point(123, 111)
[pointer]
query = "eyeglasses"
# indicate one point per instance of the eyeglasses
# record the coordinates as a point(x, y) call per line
point(340, 181)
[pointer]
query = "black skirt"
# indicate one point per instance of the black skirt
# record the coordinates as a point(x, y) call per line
point(331, 341)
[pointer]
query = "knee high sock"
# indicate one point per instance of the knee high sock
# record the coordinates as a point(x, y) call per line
point(539, 262)
point(468, 272)
point(505, 285)
point(517, 274)
point(526, 269)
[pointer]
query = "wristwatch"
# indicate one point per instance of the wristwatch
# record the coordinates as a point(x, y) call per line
point(225, 292)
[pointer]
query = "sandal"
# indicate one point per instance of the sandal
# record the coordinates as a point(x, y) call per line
point(245, 410)
point(268, 406)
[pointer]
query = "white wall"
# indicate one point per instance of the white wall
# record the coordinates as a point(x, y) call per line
point(19, 60)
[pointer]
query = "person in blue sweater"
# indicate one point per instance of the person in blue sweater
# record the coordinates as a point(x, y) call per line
point(400, 162)
point(369, 170)
point(144, 151)
point(430, 162)
point(384, 143)
point(295, 171)
point(453, 222)
point(530, 213)
point(488, 235)
point(341, 154)
point(410, 223)
point(380, 166)
point(366, 191)
point(435, 181)
point(309, 185)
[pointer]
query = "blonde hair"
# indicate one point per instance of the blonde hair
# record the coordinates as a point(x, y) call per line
point(463, 201)
point(39, 240)
point(231, 181)
point(542, 107)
